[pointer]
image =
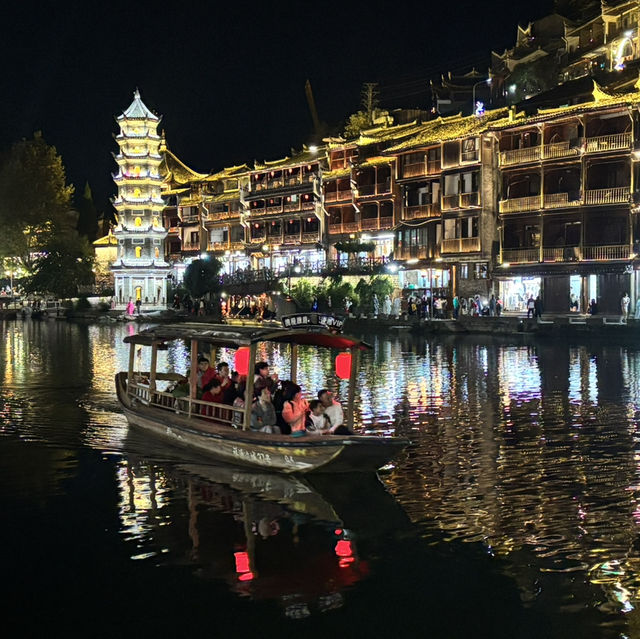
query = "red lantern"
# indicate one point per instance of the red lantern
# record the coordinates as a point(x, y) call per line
point(242, 561)
point(242, 360)
point(343, 365)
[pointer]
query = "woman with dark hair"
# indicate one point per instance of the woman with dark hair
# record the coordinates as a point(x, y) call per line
point(295, 410)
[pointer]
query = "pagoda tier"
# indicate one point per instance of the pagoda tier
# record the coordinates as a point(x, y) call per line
point(140, 269)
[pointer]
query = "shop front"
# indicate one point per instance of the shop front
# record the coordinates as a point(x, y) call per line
point(515, 291)
point(436, 281)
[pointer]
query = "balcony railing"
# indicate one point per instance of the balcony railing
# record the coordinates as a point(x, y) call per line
point(416, 169)
point(307, 205)
point(470, 156)
point(257, 238)
point(337, 196)
point(520, 204)
point(561, 254)
point(291, 238)
point(469, 199)
point(367, 190)
point(236, 246)
point(274, 209)
point(218, 246)
point(609, 142)
point(612, 252)
point(386, 222)
point(191, 246)
point(520, 156)
point(450, 202)
point(520, 256)
point(614, 195)
point(350, 227)
point(335, 229)
point(559, 150)
point(369, 224)
point(558, 201)
point(461, 245)
point(311, 237)
point(422, 211)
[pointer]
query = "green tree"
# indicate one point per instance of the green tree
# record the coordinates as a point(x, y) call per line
point(202, 277)
point(380, 285)
point(87, 215)
point(64, 264)
point(302, 293)
point(35, 200)
point(357, 122)
point(339, 291)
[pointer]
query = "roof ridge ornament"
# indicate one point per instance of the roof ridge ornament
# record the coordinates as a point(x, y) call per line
point(599, 94)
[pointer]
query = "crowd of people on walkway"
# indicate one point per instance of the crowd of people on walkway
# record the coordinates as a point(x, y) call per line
point(277, 406)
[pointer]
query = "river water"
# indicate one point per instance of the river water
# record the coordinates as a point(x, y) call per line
point(515, 513)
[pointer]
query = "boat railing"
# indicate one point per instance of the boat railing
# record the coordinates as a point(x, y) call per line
point(187, 406)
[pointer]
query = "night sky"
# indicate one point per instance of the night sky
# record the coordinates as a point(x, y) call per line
point(227, 78)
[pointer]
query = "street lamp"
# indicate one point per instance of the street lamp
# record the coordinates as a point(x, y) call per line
point(486, 81)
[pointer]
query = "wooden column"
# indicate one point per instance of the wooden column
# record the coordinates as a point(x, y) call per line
point(294, 363)
point(193, 374)
point(154, 361)
point(132, 355)
point(246, 422)
point(355, 364)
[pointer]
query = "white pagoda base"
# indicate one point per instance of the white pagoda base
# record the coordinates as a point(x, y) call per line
point(147, 285)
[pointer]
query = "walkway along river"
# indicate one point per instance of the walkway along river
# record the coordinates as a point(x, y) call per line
point(515, 513)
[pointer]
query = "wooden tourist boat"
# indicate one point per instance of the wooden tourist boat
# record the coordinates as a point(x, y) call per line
point(180, 420)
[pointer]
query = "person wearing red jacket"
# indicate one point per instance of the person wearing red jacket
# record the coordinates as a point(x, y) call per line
point(294, 410)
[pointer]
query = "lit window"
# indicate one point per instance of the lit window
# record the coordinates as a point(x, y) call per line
point(138, 221)
point(138, 251)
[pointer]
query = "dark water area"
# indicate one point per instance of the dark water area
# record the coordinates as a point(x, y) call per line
point(515, 513)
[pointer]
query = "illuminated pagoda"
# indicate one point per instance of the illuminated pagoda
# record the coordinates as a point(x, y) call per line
point(140, 270)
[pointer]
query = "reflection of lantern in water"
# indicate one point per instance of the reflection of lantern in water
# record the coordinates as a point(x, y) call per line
point(343, 365)
point(242, 360)
point(344, 552)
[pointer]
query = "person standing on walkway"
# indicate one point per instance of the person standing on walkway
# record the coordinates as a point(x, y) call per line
point(537, 308)
point(624, 306)
point(531, 305)
point(456, 307)
point(492, 306)
point(637, 314)
point(376, 305)
point(386, 306)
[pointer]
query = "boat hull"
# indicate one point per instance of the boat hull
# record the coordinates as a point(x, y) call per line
point(281, 453)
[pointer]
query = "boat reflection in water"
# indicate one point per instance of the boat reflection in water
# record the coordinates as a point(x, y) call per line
point(268, 536)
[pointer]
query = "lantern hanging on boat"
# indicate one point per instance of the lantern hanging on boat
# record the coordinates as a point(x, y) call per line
point(242, 360)
point(343, 365)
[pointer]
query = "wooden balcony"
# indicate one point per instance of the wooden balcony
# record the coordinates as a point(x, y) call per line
point(418, 169)
point(311, 238)
point(386, 222)
point(559, 150)
point(335, 229)
point(274, 209)
point(450, 202)
point(422, 211)
point(461, 245)
point(290, 207)
point(520, 156)
point(559, 201)
point(337, 196)
point(520, 256)
point(368, 190)
point(614, 195)
point(308, 205)
point(469, 199)
point(236, 246)
point(258, 239)
point(521, 204)
point(370, 224)
point(276, 238)
point(291, 239)
point(611, 252)
point(218, 246)
point(613, 142)
point(350, 227)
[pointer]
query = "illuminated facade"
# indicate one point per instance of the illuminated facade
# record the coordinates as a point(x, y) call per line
point(140, 270)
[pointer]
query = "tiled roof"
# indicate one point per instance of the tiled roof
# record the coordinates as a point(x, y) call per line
point(138, 110)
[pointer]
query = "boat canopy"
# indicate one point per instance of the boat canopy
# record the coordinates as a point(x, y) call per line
point(236, 336)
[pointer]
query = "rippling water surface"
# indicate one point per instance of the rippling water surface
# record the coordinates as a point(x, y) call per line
point(515, 513)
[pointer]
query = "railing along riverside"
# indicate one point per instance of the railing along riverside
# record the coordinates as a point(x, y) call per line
point(520, 256)
point(519, 204)
point(610, 252)
point(422, 210)
point(614, 195)
point(518, 156)
point(559, 150)
point(608, 142)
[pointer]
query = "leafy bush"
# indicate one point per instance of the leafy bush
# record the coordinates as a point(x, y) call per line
point(355, 246)
point(302, 293)
point(380, 285)
point(338, 292)
point(82, 304)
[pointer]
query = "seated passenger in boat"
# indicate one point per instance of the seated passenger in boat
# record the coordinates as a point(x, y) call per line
point(263, 414)
point(238, 416)
point(211, 392)
point(205, 372)
point(317, 423)
point(294, 410)
point(262, 377)
point(333, 410)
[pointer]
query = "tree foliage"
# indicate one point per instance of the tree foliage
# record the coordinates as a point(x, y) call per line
point(64, 264)
point(355, 246)
point(202, 277)
point(380, 285)
point(357, 122)
point(302, 293)
point(87, 215)
point(35, 200)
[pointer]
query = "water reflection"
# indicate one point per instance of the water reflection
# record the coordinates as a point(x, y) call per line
point(528, 453)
